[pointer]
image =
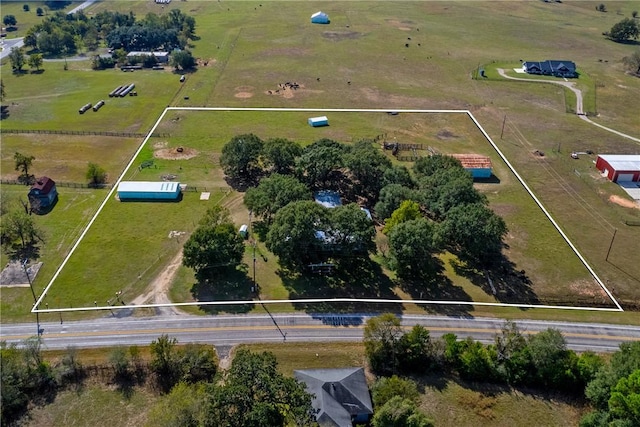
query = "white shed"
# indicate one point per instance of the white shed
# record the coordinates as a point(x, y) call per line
point(318, 121)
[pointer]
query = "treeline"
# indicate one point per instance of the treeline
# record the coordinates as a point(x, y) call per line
point(193, 391)
point(63, 33)
point(425, 210)
point(540, 361)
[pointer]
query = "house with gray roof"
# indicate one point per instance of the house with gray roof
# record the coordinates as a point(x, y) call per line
point(342, 396)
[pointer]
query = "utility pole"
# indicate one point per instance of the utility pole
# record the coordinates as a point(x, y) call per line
point(615, 230)
point(24, 266)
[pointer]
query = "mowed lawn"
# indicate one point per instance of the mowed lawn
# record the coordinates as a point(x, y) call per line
point(390, 56)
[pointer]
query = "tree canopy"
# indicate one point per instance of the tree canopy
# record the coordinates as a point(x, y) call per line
point(240, 157)
point(280, 154)
point(625, 30)
point(412, 249)
point(273, 193)
point(254, 393)
point(214, 246)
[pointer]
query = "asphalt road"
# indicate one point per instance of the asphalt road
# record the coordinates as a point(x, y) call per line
point(230, 330)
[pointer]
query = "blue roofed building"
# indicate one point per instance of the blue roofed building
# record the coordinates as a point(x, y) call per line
point(149, 191)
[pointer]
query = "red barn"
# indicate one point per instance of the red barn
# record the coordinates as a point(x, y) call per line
point(620, 167)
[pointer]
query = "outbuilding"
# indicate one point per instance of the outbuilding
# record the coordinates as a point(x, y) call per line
point(149, 191)
point(43, 194)
point(161, 57)
point(319, 18)
point(479, 166)
point(318, 121)
point(619, 167)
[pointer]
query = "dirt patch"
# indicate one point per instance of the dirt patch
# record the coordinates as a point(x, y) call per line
point(243, 95)
point(626, 203)
point(13, 274)
point(401, 25)
point(587, 288)
point(286, 90)
point(341, 35)
point(177, 153)
point(446, 134)
point(160, 144)
point(206, 62)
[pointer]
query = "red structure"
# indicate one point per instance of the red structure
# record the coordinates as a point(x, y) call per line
point(620, 167)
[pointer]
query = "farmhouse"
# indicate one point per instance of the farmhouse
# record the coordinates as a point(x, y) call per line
point(551, 68)
point(319, 18)
point(479, 166)
point(619, 167)
point(149, 191)
point(161, 57)
point(341, 395)
point(43, 194)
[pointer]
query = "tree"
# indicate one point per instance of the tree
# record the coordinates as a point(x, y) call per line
point(366, 165)
point(215, 244)
point(445, 189)
point(9, 20)
point(23, 164)
point(624, 403)
point(16, 57)
point(274, 193)
point(292, 236)
point(430, 165)
point(318, 162)
point(198, 363)
point(254, 393)
point(26, 7)
point(476, 362)
point(398, 174)
point(95, 175)
point(513, 361)
point(386, 388)
point(391, 196)
point(20, 235)
point(399, 412)
point(601, 8)
point(183, 60)
point(412, 249)
point(624, 30)
point(240, 157)
point(408, 210)
point(417, 351)
point(555, 365)
point(164, 361)
point(473, 231)
point(622, 364)
point(35, 61)
point(632, 62)
point(382, 336)
point(39, 11)
point(280, 154)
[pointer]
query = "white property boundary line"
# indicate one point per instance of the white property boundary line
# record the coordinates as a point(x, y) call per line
point(321, 300)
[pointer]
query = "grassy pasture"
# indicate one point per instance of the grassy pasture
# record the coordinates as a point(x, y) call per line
point(250, 49)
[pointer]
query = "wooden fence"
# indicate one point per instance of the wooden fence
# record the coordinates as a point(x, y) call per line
point(85, 132)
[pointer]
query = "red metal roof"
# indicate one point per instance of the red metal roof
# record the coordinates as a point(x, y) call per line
point(470, 161)
point(43, 185)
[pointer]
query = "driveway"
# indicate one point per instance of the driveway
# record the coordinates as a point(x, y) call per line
point(579, 109)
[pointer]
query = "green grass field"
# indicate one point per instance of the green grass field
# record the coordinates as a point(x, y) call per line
point(249, 48)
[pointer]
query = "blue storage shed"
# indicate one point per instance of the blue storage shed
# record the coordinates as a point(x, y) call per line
point(146, 190)
point(319, 18)
point(318, 121)
point(327, 198)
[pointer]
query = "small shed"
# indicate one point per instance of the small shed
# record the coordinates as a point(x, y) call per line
point(319, 18)
point(479, 166)
point(318, 121)
point(149, 191)
point(619, 167)
point(43, 194)
point(244, 231)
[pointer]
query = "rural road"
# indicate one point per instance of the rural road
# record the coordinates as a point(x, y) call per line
point(579, 106)
point(227, 330)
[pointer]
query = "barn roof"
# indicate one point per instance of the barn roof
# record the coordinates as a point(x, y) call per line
point(473, 161)
point(148, 186)
point(43, 185)
point(622, 162)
